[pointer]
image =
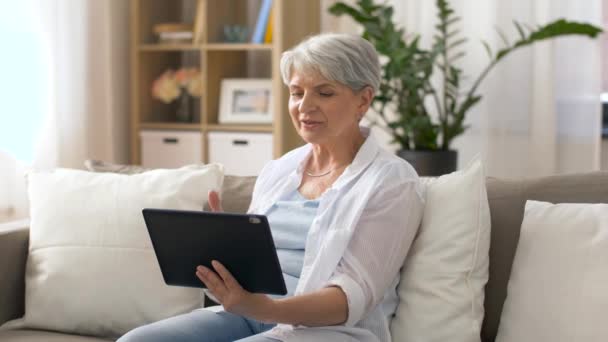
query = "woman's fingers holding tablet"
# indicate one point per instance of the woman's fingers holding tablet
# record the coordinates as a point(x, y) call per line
point(231, 295)
point(214, 283)
point(226, 276)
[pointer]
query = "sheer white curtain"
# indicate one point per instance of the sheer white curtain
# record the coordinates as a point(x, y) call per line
point(540, 112)
point(88, 47)
point(84, 109)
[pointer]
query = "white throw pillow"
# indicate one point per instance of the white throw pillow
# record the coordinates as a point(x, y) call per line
point(91, 268)
point(558, 289)
point(441, 291)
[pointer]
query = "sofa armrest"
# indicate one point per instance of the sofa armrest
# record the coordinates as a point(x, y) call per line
point(14, 240)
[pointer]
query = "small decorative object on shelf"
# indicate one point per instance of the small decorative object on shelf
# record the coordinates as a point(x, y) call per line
point(246, 100)
point(174, 33)
point(235, 33)
point(181, 85)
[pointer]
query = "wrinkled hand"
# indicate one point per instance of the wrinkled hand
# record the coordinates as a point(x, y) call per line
point(231, 295)
point(214, 202)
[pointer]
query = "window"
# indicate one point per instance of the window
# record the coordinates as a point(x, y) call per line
point(22, 82)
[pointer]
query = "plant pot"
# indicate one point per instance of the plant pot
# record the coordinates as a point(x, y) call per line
point(431, 163)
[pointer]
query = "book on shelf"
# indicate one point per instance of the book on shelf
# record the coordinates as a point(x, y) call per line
point(175, 37)
point(199, 20)
point(268, 35)
point(171, 27)
point(173, 32)
point(261, 23)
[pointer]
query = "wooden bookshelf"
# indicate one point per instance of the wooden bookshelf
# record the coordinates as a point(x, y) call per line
point(293, 20)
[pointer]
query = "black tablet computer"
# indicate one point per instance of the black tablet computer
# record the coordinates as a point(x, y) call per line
point(182, 240)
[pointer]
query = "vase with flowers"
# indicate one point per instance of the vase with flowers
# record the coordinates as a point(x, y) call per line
point(180, 85)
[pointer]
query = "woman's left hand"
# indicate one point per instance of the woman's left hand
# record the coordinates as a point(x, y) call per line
point(232, 296)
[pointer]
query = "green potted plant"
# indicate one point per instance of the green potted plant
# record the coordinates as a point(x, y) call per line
point(406, 79)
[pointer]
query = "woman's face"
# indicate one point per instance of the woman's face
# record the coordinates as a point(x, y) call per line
point(323, 110)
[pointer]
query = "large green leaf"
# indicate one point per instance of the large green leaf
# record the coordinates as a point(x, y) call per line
point(557, 28)
point(406, 86)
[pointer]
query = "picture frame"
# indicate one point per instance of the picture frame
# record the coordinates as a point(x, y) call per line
point(246, 101)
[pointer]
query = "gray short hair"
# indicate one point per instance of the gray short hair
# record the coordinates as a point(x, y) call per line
point(344, 58)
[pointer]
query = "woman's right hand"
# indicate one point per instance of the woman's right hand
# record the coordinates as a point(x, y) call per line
point(214, 202)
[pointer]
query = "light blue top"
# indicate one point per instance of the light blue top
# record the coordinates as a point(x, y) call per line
point(290, 219)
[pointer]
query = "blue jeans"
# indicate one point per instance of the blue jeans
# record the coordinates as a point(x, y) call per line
point(201, 326)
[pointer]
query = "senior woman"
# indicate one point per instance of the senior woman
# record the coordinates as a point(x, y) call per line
point(343, 213)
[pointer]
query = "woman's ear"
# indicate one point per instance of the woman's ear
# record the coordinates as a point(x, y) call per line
point(367, 96)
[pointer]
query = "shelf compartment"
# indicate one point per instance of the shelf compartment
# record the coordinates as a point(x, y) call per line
point(150, 68)
point(232, 12)
point(220, 65)
point(151, 12)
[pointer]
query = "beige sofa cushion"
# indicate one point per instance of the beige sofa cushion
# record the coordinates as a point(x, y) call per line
point(557, 289)
point(442, 281)
point(507, 199)
point(83, 218)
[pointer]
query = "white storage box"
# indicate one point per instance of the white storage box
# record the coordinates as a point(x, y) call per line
point(243, 154)
point(170, 149)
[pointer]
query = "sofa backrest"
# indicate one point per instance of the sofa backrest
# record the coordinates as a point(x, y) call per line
point(236, 193)
point(507, 199)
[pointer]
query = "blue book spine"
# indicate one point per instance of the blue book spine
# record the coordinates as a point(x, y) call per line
point(260, 25)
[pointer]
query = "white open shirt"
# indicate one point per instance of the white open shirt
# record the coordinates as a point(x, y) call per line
point(365, 225)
